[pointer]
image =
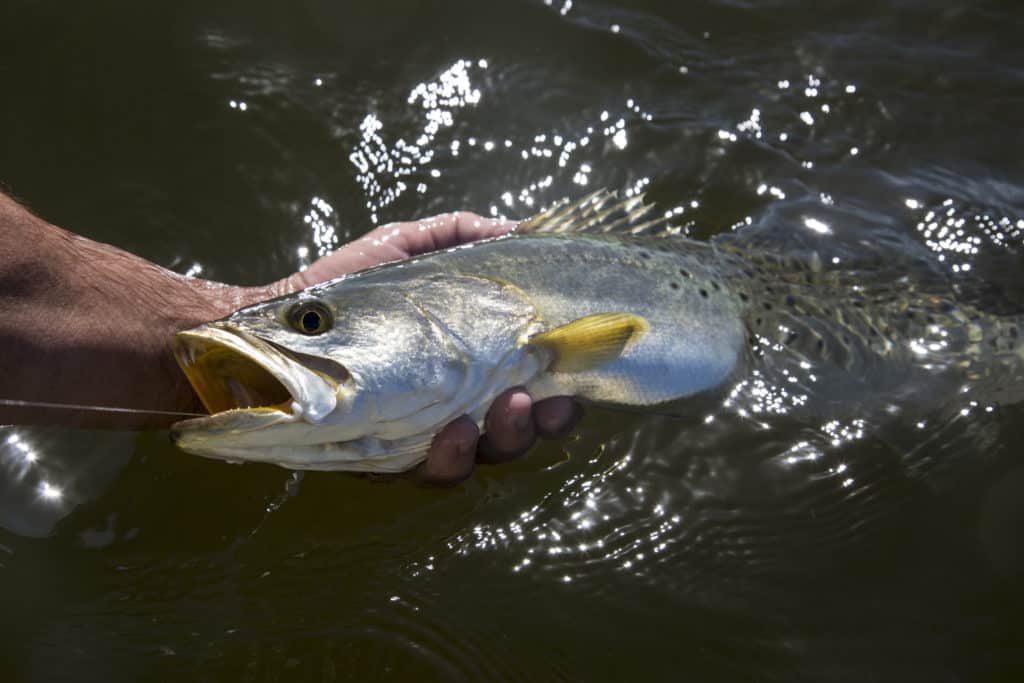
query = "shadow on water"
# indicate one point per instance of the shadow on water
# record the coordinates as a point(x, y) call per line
point(751, 542)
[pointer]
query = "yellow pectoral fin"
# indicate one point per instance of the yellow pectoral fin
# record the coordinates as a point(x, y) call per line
point(590, 341)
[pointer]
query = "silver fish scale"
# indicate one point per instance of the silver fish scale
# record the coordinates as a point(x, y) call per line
point(881, 324)
point(873, 307)
point(696, 339)
point(866, 328)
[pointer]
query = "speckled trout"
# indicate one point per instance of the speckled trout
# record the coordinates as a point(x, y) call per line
point(594, 299)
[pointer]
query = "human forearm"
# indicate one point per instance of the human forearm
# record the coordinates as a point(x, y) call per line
point(87, 323)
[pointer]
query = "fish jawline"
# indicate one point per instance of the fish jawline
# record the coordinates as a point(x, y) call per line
point(360, 455)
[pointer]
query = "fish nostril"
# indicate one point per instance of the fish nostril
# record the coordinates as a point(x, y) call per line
point(174, 434)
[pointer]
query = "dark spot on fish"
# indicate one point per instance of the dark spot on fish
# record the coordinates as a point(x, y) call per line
point(821, 344)
point(758, 322)
point(714, 285)
point(791, 338)
point(769, 290)
point(744, 297)
point(873, 332)
point(858, 304)
point(930, 319)
point(674, 285)
point(791, 300)
point(684, 272)
point(809, 278)
point(704, 293)
point(846, 339)
point(910, 314)
point(645, 255)
point(1013, 332)
point(767, 306)
point(994, 343)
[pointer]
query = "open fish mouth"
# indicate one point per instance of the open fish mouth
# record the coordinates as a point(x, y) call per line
point(229, 376)
point(232, 371)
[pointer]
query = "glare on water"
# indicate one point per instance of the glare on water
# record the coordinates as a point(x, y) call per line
point(755, 538)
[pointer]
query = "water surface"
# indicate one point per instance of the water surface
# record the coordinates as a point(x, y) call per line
point(238, 144)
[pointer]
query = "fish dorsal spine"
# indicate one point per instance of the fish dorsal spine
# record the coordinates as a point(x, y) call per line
point(601, 213)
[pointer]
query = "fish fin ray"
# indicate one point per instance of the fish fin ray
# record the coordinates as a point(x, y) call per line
point(601, 212)
point(590, 341)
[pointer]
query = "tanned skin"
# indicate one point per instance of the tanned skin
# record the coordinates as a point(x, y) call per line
point(82, 322)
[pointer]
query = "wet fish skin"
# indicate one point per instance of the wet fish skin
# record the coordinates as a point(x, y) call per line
point(425, 341)
point(408, 372)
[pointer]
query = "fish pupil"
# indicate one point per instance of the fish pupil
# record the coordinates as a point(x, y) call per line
point(311, 321)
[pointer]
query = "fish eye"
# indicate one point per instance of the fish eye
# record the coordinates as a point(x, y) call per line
point(310, 317)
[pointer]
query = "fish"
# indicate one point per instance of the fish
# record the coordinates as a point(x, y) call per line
point(601, 299)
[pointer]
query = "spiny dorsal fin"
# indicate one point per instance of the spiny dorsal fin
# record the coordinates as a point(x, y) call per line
point(590, 341)
point(600, 212)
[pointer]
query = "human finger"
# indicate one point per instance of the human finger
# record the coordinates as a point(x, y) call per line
point(509, 430)
point(452, 454)
point(448, 230)
point(555, 417)
point(394, 242)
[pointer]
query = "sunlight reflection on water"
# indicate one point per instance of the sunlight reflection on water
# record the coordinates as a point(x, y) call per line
point(25, 464)
point(386, 170)
point(732, 118)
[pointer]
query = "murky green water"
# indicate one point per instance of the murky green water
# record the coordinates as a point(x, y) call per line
point(239, 143)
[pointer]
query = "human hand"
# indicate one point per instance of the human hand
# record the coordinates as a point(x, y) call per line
point(514, 421)
point(395, 242)
point(118, 314)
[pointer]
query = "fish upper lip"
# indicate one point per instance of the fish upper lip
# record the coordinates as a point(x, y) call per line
point(312, 393)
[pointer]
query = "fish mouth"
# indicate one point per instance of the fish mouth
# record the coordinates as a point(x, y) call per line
point(227, 378)
point(234, 372)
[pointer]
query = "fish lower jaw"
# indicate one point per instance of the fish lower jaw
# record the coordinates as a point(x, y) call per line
point(288, 411)
point(334, 443)
point(361, 455)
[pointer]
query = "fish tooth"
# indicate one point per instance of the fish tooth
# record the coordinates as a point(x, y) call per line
point(241, 393)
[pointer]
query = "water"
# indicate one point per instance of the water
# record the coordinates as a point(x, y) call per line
point(237, 144)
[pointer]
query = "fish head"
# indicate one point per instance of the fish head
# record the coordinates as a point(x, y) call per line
point(352, 375)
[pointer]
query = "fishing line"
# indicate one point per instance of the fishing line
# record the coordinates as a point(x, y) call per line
point(102, 409)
